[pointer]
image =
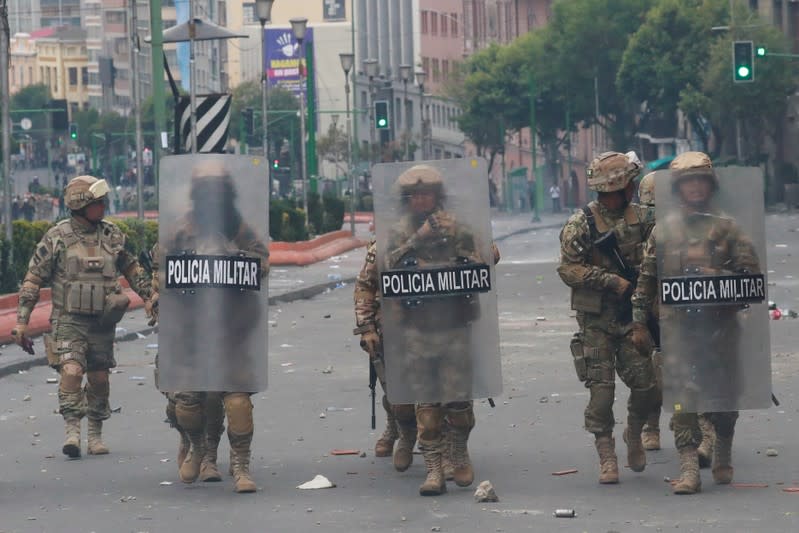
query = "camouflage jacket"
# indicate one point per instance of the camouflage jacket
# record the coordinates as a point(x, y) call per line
point(709, 242)
point(593, 275)
point(48, 264)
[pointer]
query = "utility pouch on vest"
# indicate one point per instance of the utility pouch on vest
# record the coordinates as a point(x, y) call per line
point(49, 349)
point(587, 300)
point(580, 364)
point(116, 303)
point(84, 298)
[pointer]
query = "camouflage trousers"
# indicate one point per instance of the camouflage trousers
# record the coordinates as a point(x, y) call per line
point(214, 413)
point(687, 432)
point(199, 412)
point(82, 347)
point(610, 351)
point(433, 419)
point(437, 366)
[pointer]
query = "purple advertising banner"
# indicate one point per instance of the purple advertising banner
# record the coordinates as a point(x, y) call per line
point(283, 58)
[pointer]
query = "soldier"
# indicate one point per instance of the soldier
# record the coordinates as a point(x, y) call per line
point(436, 331)
point(699, 237)
point(602, 278)
point(82, 257)
point(651, 434)
point(214, 408)
point(215, 226)
point(400, 418)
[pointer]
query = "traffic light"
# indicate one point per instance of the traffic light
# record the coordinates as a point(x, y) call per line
point(743, 62)
point(73, 131)
point(276, 163)
point(760, 51)
point(381, 115)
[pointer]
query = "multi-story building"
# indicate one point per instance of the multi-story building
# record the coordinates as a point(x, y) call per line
point(24, 16)
point(62, 61)
point(22, 67)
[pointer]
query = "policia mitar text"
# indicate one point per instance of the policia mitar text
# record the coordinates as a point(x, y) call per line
point(213, 271)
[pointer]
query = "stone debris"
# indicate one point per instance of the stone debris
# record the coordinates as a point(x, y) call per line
point(485, 492)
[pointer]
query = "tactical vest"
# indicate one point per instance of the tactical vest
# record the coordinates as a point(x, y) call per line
point(90, 272)
point(631, 233)
point(702, 244)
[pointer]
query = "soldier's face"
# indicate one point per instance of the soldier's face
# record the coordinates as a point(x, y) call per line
point(95, 211)
point(423, 202)
point(695, 191)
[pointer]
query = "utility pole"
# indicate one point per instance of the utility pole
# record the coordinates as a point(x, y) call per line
point(6, 124)
point(135, 104)
point(157, 58)
point(539, 180)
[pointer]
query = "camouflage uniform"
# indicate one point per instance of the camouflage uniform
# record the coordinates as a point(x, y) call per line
point(214, 407)
point(600, 295)
point(82, 260)
point(716, 245)
point(435, 335)
point(194, 409)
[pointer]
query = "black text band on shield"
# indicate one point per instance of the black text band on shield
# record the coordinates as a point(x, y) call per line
point(436, 282)
point(213, 271)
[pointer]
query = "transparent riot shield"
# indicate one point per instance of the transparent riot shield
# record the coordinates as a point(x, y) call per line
point(712, 289)
point(437, 282)
point(213, 235)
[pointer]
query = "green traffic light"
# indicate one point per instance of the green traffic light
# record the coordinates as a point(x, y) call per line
point(382, 122)
point(743, 72)
point(761, 51)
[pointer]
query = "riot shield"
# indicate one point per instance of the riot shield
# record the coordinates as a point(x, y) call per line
point(712, 289)
point(437, 281)
point(213, 235)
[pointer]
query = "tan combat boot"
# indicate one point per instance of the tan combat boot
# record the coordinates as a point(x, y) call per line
point(240, 462)
point(209, 472)
point(705, 449)
point(434, 484)
point(463, 473)
point(183, 447)
point(689, 482)
point(71, 446)
point(446, 455)
point(190, 467)
point(403, 451)
point(651, 434)
point(608, 463)
point(214, 427)
point(722, 460)
point(385, 444)
point(636, 455)
point(95, 438)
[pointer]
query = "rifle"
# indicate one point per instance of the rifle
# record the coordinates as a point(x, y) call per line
point(146, 262)
point(372, 384)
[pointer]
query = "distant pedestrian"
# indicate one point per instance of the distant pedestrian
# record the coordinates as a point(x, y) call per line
point(554, 193)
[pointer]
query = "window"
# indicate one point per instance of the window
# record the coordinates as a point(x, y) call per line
point(30, 74)
point(433, 23)
point(436, 70)
point(426, 64)
point(444, 69)
point(73, 76)
point(84, 76)
point(444, 24)
point(168, 23)
point(398, 112)
point(424, 22)
point(453, 24)
point(249, 13)
point(364, 105)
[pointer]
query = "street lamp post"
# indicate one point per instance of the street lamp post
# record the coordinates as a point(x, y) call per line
point(263, 10)
point(298, 27)
point(372, 69)
point(421, 76)
point(347, 60)
point(406, 71)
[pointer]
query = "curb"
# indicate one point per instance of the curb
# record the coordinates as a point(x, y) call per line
point(527, 230)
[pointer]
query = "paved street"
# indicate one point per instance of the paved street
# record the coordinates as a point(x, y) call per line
point(534, 430)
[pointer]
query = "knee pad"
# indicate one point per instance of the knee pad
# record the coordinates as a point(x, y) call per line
point(460, 415)
point(190, 416)
point(71, 377)
point(405, 413)
point(238, 407)
point(428, 422)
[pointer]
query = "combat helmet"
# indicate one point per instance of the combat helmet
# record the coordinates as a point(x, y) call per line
point(612, 171)
point(424, 177)
point(690, 165)
point(646, 189)
point(83, 190)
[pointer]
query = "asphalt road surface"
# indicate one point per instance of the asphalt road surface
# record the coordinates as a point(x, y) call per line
point(318, 401)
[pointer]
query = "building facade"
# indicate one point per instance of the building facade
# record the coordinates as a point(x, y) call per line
point(62, 61)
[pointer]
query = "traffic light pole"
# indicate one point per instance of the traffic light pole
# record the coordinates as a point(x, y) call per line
point(136, 106)
point(6, 125)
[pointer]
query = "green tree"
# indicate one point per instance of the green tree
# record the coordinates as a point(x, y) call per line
point(667, 54)
point(32, 97)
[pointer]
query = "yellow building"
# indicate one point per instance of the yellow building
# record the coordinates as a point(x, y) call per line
point(62, 64)
point(22, 69)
